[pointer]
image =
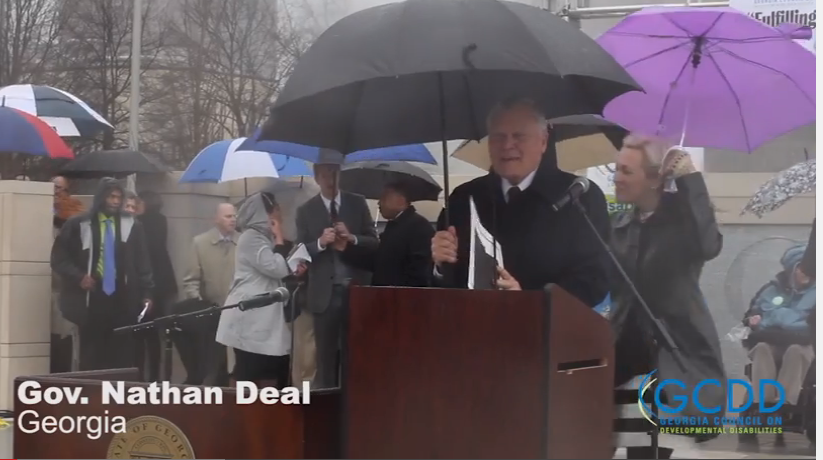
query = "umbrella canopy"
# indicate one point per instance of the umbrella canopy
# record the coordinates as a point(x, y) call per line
point(417, 153)
point(66, 113)
point(713, 77)
point(370, 177)
point(429, 70)
point(581, 141)
point(787, 184)
point(222, 161)
point(112, 163)
point(21, 132)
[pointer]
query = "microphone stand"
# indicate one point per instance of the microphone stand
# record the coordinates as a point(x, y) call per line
point(169, 325)
point(661, 339)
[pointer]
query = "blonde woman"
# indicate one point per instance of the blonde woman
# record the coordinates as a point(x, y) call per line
point(663, 243)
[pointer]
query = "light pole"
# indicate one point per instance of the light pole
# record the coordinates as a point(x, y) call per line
point(134, 99)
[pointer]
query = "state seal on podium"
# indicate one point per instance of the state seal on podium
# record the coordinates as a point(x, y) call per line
point(150, 437)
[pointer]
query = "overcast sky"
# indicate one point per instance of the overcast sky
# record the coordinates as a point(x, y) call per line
point(340, 8)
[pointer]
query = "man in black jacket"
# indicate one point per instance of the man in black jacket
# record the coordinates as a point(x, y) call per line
point(514, 203)
point(403, 257)
point(106, 277)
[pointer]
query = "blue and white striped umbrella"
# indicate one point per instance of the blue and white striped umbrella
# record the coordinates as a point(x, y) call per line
point(65, 112)
point(413, 153)
point(222, 162)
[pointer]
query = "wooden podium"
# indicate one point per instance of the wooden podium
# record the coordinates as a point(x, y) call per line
point(427, 373)
point(434, 373)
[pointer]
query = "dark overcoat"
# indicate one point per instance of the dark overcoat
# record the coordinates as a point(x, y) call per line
point(539, 245)
point(664, 257)
point(403, 257)
point(75, 253)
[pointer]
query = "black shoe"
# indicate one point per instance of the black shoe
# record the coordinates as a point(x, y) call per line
point(779, 441)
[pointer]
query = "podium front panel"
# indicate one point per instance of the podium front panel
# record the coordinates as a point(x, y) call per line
point(442, 373)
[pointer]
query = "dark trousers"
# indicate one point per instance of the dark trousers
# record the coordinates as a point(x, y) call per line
point(254, 367)
point(147, 345)
point(204, 358)
point(100, 347)
point(328, 331)
point(61, 354)
point(216, 363)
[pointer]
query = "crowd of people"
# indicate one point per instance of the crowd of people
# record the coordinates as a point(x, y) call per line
point(111, 261)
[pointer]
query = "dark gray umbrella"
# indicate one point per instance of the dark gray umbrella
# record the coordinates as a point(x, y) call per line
point(574, 126)
point(369, 178)
point(112, 163)
point(429, 70)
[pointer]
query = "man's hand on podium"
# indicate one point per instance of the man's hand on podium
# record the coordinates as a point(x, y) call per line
point(506, 281)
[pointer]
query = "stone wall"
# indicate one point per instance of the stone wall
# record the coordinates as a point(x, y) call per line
point(25, 282)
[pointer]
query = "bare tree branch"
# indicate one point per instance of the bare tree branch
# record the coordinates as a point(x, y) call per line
point(95, 58)
point(226, 62)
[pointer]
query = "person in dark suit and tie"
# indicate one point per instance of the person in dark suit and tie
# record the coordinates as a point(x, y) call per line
point(403, 257)
point(330, 224)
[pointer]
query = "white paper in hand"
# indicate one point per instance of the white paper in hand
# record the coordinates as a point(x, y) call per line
point(143, 313)
point(301, 254)
point(484, 254)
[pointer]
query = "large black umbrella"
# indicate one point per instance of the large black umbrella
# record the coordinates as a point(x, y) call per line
point(576, 126)
point(369, 178)
point(112, 163)
point(429, 70)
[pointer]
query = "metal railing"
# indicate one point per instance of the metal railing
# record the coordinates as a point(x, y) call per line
point(573, 12)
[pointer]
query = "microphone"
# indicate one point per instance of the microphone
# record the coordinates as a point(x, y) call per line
point(578, 187)
point(280, 294)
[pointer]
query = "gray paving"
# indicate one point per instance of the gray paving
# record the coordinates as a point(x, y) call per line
point(727, 446)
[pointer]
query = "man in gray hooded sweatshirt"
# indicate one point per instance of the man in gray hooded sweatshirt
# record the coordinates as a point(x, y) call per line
point(106, 277)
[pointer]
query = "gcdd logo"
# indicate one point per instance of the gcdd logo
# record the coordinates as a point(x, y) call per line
point(683, 400)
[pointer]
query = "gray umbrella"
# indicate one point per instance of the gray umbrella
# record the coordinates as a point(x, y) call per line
point(112, 163)
point(785, 185)
point(574, 126)
point(369, 178)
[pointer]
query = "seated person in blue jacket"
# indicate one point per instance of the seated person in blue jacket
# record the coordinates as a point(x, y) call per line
point(781, 339)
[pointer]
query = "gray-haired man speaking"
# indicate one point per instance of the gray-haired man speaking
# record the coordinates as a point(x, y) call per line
point(514, 202)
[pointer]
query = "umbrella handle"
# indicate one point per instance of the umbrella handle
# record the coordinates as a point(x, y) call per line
point(688, 109)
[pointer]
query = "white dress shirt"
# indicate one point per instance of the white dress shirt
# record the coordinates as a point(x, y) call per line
point(523, 185)
point(327, 202)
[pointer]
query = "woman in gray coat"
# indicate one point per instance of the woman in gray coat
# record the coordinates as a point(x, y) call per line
point(663, 244)
point(261, 338)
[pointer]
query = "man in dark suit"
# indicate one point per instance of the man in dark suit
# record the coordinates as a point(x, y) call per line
point(514, 203)
point(403, 257)
point(331, 224)
point(106, 277)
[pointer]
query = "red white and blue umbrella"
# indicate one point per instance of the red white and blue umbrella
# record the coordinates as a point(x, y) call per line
point(21, 132)
point(64, 112)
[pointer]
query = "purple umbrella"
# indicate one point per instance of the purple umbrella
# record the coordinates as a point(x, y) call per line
point(712, 77)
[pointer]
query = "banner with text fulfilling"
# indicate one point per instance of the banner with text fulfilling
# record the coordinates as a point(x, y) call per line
point(776, 12)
